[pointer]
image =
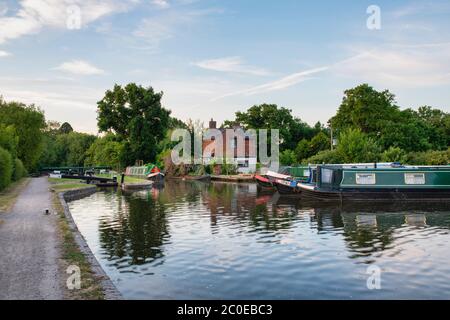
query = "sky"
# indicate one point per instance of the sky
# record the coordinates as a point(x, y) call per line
point(212, 58)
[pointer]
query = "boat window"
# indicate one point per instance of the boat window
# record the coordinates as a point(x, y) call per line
point(327, 175)
point(414, 178)
point(306, 173)
point(365, 178)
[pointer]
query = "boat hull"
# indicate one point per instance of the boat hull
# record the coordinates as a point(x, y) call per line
point(378, 195)
point(286, 188)
point(264, 182)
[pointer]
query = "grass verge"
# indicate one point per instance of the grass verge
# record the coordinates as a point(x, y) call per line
point(9, 195)
point(60, 185)
point(91, 288)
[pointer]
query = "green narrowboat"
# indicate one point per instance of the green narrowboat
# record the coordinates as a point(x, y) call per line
point(337, 182)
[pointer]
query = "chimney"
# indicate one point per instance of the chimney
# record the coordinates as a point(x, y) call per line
point(212, 124)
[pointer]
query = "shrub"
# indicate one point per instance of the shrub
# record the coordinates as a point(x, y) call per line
point(327, 156)
point(288, 158)
point(429, 158)
point(6, 168)
point(393, 154)
point(19, 170)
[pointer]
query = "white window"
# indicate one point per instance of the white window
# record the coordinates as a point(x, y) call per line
point(327, 175)
point(306, 173)
point(365, 178)
point(414, 178)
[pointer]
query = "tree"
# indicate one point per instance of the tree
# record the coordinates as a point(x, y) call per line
point(28, 123)
point(66, 128)
point(135, 114)
point(105, 151)
point(364, 108)
point(354, 146)
point(270, 116)
point(288, 158)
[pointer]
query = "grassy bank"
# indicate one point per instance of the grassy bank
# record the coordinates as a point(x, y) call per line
point(91, 288)
point(59, 185)
point(9, 195)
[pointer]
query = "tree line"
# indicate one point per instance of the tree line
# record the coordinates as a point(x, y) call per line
point(133, 125)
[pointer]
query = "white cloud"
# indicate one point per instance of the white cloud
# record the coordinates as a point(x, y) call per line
point(279, 84)
point(163, 4)
point(230, 64)
point(34, 15)
point(79, 67)
point(4, 54)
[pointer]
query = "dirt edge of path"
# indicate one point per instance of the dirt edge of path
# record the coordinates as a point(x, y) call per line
point(95, 283)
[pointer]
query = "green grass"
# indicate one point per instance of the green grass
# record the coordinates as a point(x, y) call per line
point(60, 185)
point(91, 288)
point(10, 194)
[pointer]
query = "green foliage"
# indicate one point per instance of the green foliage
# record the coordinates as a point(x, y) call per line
point(105, 151)
point(326, 156)
point(364, 108)
point(135, 114)
point(19, 170)
point(270, 116)
point(28, 123)
point(393, 154)
point(354, 146)
point(6, 168)
point(65, 128)
point(306, 149)
point(8, 139)
point(432, 157)
point(288, 158)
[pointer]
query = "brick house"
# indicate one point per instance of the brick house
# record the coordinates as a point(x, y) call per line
point(237, 140)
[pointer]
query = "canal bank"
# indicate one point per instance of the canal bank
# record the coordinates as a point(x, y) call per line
point(37, 245)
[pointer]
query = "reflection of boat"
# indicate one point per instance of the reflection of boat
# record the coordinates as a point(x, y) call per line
point(399, 183)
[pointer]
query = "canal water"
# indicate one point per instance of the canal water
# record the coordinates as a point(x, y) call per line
point(194, 240)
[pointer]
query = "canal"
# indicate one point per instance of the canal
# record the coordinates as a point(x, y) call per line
point(193, 240)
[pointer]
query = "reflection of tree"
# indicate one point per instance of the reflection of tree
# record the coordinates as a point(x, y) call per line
point(137, 232)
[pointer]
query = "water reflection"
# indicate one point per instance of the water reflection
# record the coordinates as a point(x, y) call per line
point(198, 240)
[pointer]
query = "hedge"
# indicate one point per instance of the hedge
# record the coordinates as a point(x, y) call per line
point(6, 168)
point(19, 170)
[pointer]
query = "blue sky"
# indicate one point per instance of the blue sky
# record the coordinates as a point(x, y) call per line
point(212, 58)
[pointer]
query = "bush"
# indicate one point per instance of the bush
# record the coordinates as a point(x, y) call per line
point(288, 158)
point(393, 154)
point(19, 170)
point(327, 156)
point(6, 168)
point(432, 158)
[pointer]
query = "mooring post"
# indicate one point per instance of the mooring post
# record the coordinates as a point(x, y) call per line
point(122, 178)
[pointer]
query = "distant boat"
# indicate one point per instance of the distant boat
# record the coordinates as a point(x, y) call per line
point(379, 183)
point(149, 171)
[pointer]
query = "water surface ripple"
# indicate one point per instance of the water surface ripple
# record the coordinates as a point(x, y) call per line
point(192, 240)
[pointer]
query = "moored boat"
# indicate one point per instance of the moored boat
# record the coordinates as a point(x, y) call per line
point(271, 179)
point(379, 183)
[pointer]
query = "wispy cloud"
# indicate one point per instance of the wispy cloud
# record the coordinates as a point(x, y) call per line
point(79, 67)
point(232, 65)
point(35, 15)
point(163, 4)
point(400, 65)
point(279, 84)
point(153, 30)
point(4, 54)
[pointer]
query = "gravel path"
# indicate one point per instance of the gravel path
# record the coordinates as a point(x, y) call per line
point(29, 253)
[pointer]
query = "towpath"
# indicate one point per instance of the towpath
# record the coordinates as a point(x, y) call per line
point(29, 247)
